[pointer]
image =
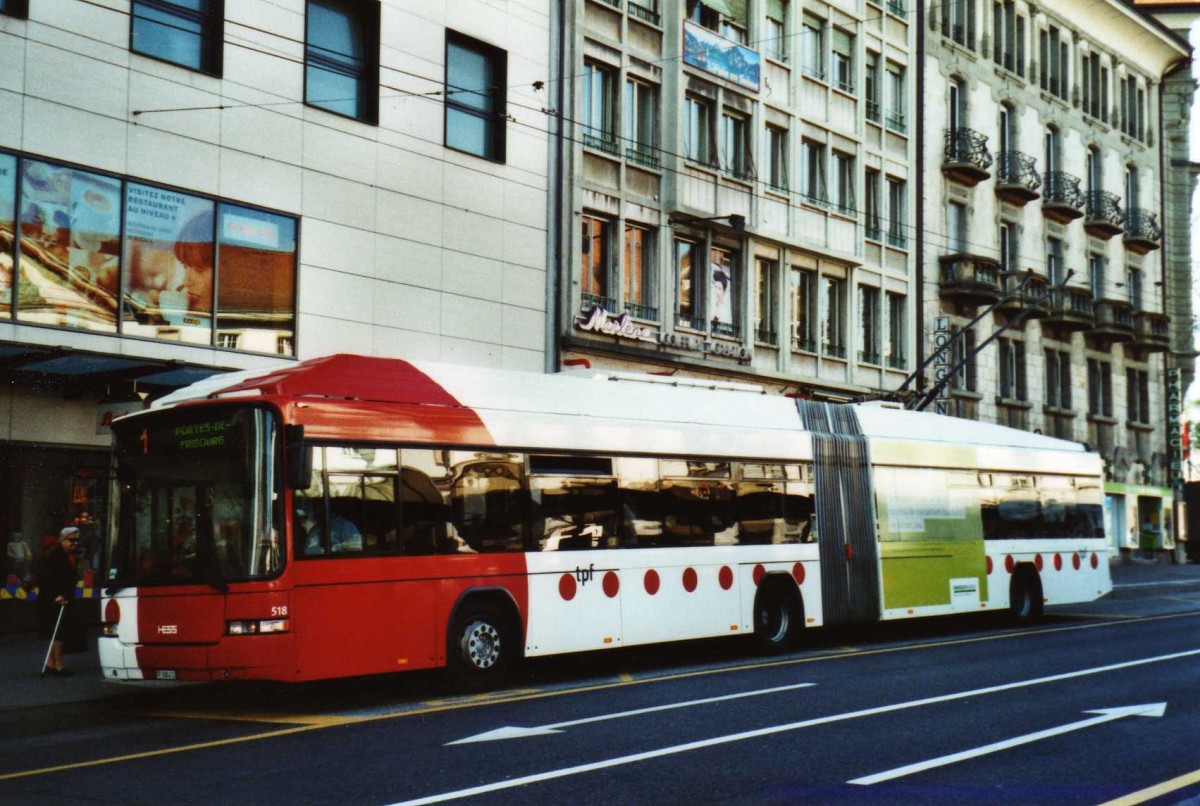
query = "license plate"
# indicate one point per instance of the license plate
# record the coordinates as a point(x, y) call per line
point(164, 674)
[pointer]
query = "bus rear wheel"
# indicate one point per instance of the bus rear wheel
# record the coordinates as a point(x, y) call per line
point(1025, 596)
point(482, 646)
point(778, 617)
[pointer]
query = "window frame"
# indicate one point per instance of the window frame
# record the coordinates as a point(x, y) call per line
point(368, 78)
point(211, 35)
point(495, 120)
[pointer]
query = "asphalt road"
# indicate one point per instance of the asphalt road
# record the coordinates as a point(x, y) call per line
point(1098, 703)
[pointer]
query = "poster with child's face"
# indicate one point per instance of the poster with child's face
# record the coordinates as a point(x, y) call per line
point(168, 289)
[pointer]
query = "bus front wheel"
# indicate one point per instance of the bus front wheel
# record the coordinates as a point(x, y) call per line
point(481, 648)
point(778, 617)
point(1025, 596)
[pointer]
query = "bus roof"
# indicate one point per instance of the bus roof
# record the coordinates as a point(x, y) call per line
point(559, 410)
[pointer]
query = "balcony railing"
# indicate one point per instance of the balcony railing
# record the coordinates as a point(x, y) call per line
point(589, 301)
point(1062, 199)
point(689, 321)
point(969, 279)
point(1071, 309)
point(642, 13)
point(870, 357)
point(1027, 297)
point(646, 312)
point(1142, 233)
point(646, 156)
point(1150, 331)
point(896, 122)
point(1104, 217)
point(895, 361)
point(966, 157)
point(834, 350)
point(804, 344)
point(1017, 179)
point(766, 335)
point(1114, 321)
point(726, 330)
point(873, 111)
point(602, 142)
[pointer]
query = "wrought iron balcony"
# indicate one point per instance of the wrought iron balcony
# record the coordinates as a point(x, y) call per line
point(966, 158)
point(1071, 309)
point(1150, 331)
point(1142, 233)
point(726, 330)
point(1062, 200)
point(646, 156)
point(1025, 299)
point(1104, 217)
point(1017, 179)
point(683, 320)
point(642, 13)
point(969, 279)
point(1114, 321)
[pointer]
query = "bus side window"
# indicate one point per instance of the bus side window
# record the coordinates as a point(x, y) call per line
point(308, 512)
point(637, 493)
point(490, 501)
point(423, 514)
point(573, 513)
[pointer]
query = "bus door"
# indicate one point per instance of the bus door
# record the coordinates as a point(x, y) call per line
point(847, 542)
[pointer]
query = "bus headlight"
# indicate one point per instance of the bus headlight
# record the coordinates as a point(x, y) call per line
point(256, 626)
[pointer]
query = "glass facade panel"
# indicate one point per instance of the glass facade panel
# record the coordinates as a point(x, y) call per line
point(256, 294)
point(70, 247)
point(168, 285)
point(337, 57)
point(177, 31)
point(8, 232)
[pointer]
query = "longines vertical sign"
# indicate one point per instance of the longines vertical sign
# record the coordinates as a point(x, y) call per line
point(941, 367)
point(599, 320)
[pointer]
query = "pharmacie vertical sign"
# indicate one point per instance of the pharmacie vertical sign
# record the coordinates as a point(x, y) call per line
point(1174, 424)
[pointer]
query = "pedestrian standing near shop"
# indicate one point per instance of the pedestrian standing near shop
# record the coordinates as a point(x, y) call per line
point(56, 594)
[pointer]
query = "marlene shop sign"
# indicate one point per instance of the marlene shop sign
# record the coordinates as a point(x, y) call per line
point(722, 57)
point(599, 320)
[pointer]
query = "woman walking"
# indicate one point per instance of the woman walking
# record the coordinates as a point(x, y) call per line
point(56, 592)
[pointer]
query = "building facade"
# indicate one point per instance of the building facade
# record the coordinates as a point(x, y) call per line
point(741, 192)
point(1043, 201)
point(192, 188)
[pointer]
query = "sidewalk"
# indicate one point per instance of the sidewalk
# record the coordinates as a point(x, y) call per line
point(21, 653)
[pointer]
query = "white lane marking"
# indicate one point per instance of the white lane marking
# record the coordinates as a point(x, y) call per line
point(1106, 715)
point(516, 732)
point(760, 732)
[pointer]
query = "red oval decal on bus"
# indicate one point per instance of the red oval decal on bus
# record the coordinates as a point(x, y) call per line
point(1075, 562)
point(1095, 561)
point(612, 584)
point(1009, 565)
point(689, 579)
point(651, 582)
point(1037, 561)
point(566, 587)
point(725, 577)
point(798, 573)
point(989, 566)
point(759, 573)
point(1057, 562)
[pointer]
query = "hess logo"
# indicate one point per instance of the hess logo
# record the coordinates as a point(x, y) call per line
point(168, 629)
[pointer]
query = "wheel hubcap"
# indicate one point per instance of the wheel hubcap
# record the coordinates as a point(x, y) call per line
point(482, 645)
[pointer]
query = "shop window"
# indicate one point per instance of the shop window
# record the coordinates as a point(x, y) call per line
point(596, 279)
point(341, 59)
point(725, 317)
point(8, 240)
point(256, 292)
point(476, 76)
point(639, 272)
point(70, 235)
point(184, 32)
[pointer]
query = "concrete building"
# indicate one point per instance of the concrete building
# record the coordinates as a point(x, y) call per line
point(1044, 162)
point(741, 192)
point(189, 191)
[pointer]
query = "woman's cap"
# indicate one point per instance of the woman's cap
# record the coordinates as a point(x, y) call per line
point(68, 531)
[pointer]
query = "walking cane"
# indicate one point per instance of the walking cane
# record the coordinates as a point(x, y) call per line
point(61, 609)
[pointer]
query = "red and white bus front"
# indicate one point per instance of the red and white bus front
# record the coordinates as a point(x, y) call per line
point(193, 589)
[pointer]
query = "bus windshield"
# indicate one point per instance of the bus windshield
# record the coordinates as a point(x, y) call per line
point(196, 497)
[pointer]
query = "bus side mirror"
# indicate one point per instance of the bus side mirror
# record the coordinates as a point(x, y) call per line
point(299, 458)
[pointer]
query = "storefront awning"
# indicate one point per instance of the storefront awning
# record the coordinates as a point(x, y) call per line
point(64, 364)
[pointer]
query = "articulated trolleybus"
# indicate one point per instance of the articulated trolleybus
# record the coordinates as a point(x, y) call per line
point(350, 515)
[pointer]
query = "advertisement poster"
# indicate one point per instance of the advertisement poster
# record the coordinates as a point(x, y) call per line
point(169, 254)
point(70, 247)
point(256, 299)
point(8, 215)
point(717, 55)
point(722, 287)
